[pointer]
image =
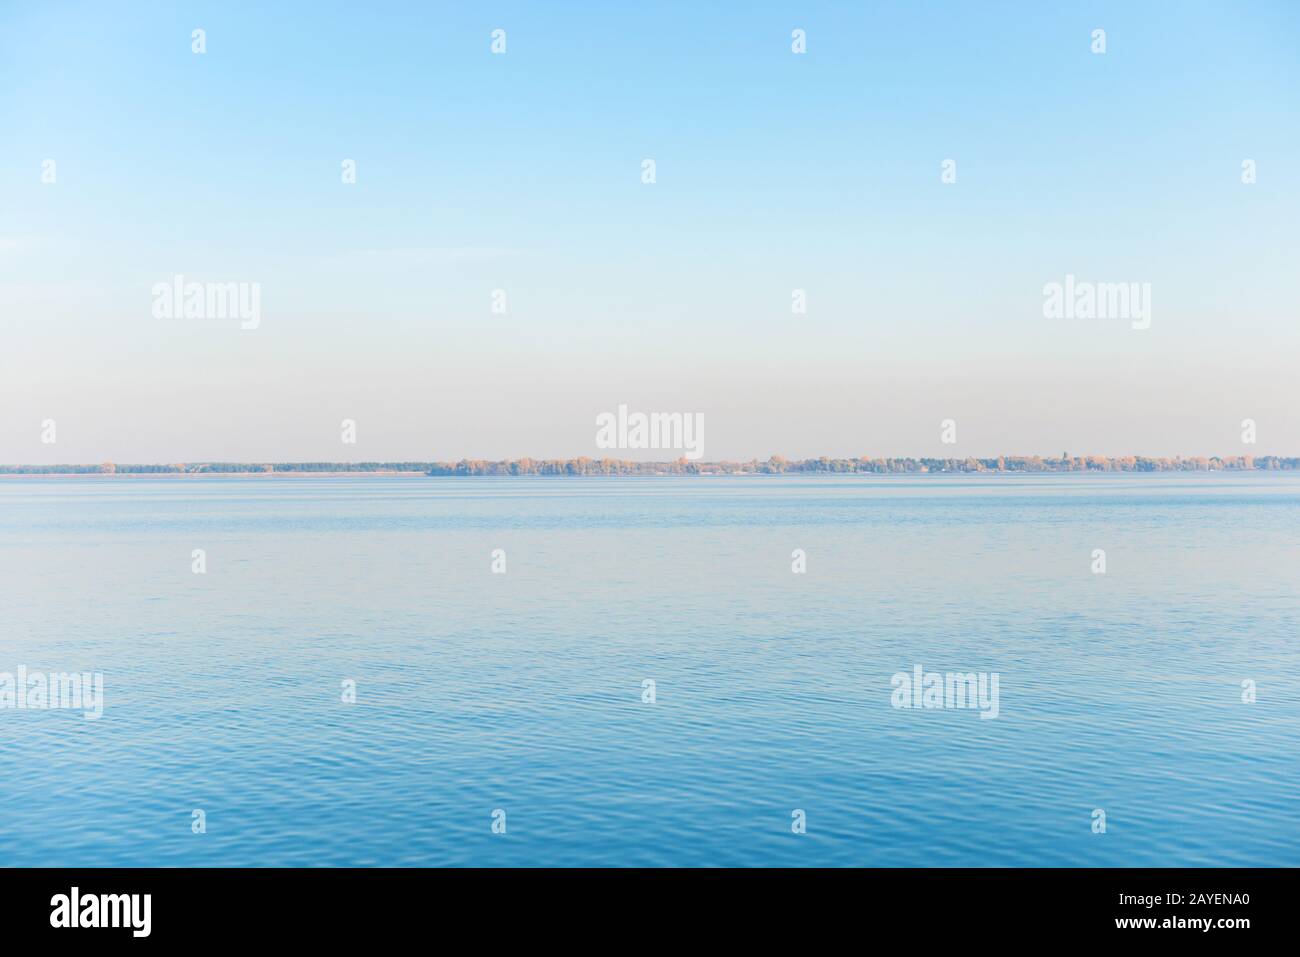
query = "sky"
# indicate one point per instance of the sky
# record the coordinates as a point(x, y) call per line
point(522, 171)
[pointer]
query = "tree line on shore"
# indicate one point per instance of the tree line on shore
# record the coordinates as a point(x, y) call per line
point(776, 465)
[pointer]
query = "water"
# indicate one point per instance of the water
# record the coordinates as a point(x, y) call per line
point(523, 691)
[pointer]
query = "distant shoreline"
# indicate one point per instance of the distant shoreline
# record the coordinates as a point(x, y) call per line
point(6, 472)
point(589, 467)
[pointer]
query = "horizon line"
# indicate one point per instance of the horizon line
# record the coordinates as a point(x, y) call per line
point(607, 465)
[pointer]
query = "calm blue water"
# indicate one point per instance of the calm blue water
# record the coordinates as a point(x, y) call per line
point(523, 691)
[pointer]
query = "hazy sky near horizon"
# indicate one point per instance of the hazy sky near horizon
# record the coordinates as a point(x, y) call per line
point(523, 172)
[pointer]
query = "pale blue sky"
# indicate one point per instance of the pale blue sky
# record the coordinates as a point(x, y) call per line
point(522, 172)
